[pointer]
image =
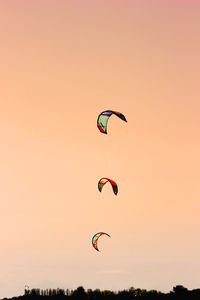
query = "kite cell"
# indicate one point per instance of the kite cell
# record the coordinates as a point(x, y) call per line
point(95, 239)
point(103, 181)
point(102, 119)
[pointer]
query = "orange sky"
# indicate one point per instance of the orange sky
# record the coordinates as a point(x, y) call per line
point(62, 63)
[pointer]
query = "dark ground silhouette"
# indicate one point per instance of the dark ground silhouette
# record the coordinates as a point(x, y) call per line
point(178, 292)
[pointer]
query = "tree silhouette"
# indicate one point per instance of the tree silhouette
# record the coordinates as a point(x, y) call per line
point(79, 293)
point(178, 292)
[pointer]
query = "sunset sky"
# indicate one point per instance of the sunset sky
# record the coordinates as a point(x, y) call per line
point(61, 64)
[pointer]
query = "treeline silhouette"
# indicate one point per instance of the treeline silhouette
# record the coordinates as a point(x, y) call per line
point(178, 292)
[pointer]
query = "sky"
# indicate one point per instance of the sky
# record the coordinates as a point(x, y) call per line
point(62, 63)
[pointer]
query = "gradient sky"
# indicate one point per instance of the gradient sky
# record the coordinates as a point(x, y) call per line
point(62, 63)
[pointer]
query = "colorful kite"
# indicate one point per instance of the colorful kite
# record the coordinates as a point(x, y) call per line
point(103, 181)
point(102, 119)
point(95, 239)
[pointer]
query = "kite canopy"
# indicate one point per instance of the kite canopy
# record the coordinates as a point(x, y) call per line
point(102, 119)
point(103, 181)
point(95, 239)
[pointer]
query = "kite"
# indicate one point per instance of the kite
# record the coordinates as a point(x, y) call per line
point(102, 119)
point(103, 181)
point(95, 239)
